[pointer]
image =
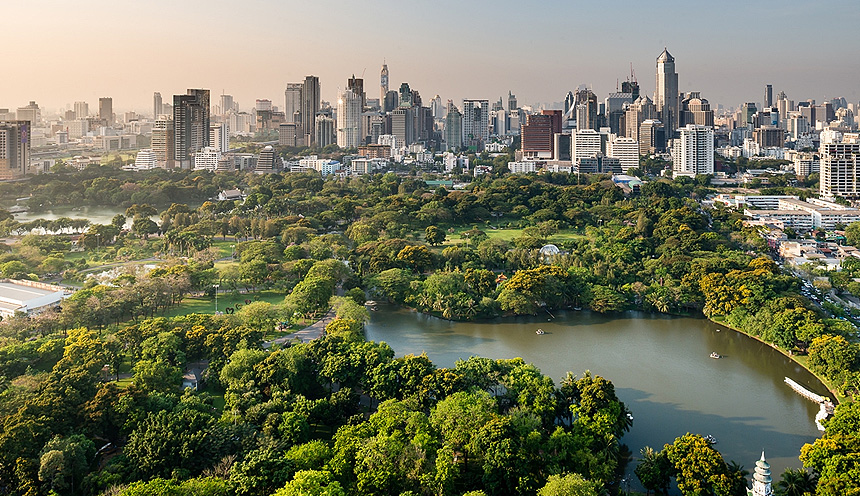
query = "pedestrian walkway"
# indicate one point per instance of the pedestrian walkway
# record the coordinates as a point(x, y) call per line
point(306, 335)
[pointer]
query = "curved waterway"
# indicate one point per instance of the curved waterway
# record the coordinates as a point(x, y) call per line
point(660, 368)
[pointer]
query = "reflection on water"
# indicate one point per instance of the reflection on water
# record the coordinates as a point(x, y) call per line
point(659, 365)
point(96, 215)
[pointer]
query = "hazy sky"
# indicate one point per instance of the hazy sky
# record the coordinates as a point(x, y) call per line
point(59, 51)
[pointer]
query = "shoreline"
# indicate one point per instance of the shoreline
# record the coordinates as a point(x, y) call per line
point(834, 396)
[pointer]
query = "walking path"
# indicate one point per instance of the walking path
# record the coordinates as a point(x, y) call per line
point(306, 335)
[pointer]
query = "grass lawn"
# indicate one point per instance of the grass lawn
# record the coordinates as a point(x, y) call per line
point(217, 396)
point(505, 235)
point(207, 304)
point(225, 247)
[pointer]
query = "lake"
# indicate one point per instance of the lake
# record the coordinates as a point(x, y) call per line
point(660, 367)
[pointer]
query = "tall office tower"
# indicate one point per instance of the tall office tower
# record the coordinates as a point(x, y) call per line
point(626, 150)
point(357, 87)
point(584, 143)
point(14, 149)
point(349, 107)
point(405, 95)
point(190, 125)
point(652, 137)
point(569, 102)
point(666, 95)
point(537, 136)
point(696, 110)
point(324, 132)
point(310, 108)
point(693, 151)
point(768, 95)
point(784, 106)
point(82, 110)
point(106, 110)
point(219, 137)
point(162, 142)
point(637, 113)
point(31, 113)
point(453, 127)
point(157, 105)
point(403, 126)
point(293, 102)
point(226, 103)
point(748, 110)
point(392, 99)
point(476, 115)
point(512, 103)
point(288, 134)
point(840, 170)
point(383, 84)
point(631, 86)
point(586, 109)
point(436, 107)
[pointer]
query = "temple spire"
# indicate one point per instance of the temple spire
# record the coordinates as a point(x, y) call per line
point(762, 481)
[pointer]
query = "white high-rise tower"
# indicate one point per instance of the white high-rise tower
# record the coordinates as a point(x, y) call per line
point(383, 84)
point(666, 94)
point(349, 120)
point(762, 482)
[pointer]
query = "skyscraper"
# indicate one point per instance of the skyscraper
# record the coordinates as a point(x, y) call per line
point(666, 94)
point(14, 149)
point(512, 102)
point(768, 96)
point(293, 105)
point(190, 125)
point(162, 142)
point(157, 105)
point(840, 168)
point(349, 107)
point(226, 103)
point(453, 127)
point(357, 87)
point(106, 110)
point(310, 107)
point(693, 151)
point(537, 136)
point(82, 110)
point(476, 115)
point(383, 84)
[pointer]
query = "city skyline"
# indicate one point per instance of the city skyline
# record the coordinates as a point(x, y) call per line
point(252, 50)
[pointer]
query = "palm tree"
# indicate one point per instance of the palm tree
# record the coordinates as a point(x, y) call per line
point(796, 482)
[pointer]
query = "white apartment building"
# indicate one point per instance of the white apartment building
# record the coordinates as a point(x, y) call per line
point(521, 167)
point(693, 151)
point(585, 143)
point(145, 159)
point(626, 150)
point(207, 158)
point(839, 170)
point(349, 120)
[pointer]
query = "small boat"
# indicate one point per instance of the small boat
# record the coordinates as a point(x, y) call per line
point(711, 439)
point(630, 416)
point(714, 354)
point(539, 332)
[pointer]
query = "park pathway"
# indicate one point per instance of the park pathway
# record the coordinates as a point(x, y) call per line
point(306, 335)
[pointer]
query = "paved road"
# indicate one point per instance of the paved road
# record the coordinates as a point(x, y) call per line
point(306, 335)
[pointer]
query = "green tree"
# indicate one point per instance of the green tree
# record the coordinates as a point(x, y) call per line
point(795, 482)
point(434, 236)
point(568, 485)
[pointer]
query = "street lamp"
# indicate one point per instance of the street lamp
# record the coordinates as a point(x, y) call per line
point(216, 286)
point(232, 252)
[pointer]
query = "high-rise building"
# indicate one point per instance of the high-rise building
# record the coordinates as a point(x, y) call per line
point(162, 142)
point(512, 103)
point(840, 170)
point(586, 109)
point(207, 158)
point(652, 137)
point(537, 136)
point(219, 137)
point(288, 134)
point(626, 150)
point(14, 149)
point(693, 151)
point(293, 105)
point(349, 107)
point(31, 113)
point(157, 105)
point(190, 125)
point(357, 87)
point(403, 125)
point(476, 115)
point(310, 108)
point(768, 95)
point(584, 143)
point(82, 110)
point(226, 103)
point(696, 110)
point(666, 95)
point(747, 111)
point(453, 127)
point(436, 107)
point(269, 161)
point(637, 113)
point(106, 110)
point(324, 131)
point(383, 84)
